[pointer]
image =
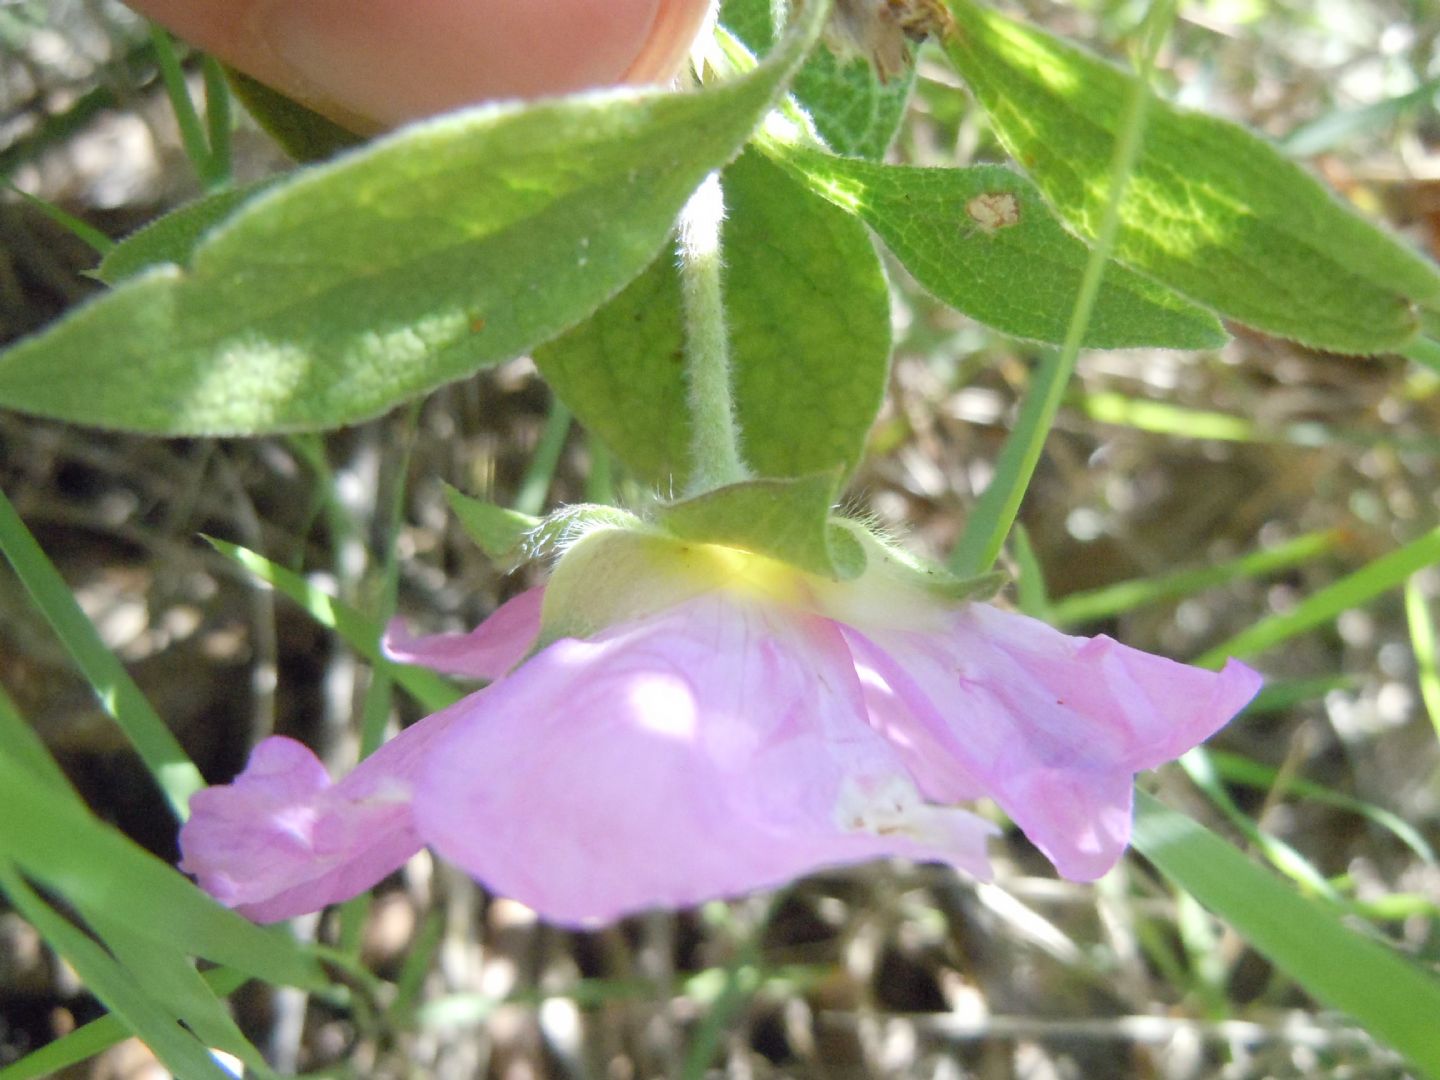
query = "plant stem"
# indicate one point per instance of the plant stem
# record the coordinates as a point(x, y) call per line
point(715, 436)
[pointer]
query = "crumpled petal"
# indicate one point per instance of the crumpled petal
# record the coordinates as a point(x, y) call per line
point(712, 749)
point(1052, 727)
point(487, 652)
point(282, 840)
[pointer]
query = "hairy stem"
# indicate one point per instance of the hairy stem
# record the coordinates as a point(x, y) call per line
point(715, 436)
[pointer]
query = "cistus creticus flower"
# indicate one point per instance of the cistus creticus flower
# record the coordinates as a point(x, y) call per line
point(695, 722)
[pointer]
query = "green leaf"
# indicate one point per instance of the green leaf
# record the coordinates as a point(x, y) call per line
point(853, 110)
point(174, 237)
point(95, 867)
point(1391, 997)
point(809, 318)
point(788, 520)
point(983, 241)
point(1210, 210)
point(622, 373)
point(361, 283)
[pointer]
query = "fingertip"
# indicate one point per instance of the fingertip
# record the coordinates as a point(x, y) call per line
point(390, 61)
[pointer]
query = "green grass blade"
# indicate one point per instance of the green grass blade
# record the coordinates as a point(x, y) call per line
point(23, 745)
point(166, 974)
point(1031, 595)
point(192, 128)
point(1109, 600)
point(163, 971)
point(1282, 856)
point(535, 486)
point(98, 1036)
point(1385, 573)
point(1182, 422)
point(1242, 770)
point(1395, 1000)
point(219, 122)
point(98, 242)
point(995, 510)
point(97, 868)
point(1427, 649)
point(1281, 694)
point(154, 963)
point(171, 981)
point(360, 632)
point(176, 1048)
point(167, 761)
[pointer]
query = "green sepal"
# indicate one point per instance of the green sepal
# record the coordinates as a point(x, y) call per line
point(501, 533)
point(893, 566)
point(560, 529)
point(508, 536)
point(612, 576)
point(786, 520)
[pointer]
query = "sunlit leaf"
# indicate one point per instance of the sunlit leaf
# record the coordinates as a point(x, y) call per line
point(1210, 210)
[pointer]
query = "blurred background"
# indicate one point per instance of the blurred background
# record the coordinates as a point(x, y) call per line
point(1222, 488)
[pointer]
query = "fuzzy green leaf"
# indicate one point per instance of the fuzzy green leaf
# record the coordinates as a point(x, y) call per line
point(361, 283)
point(983, 241)
point(809, 319)
point(1211, 210)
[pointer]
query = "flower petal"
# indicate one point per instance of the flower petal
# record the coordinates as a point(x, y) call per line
point(717, 747)
point(282, 840)
point(487, 652)
point(1053, 727)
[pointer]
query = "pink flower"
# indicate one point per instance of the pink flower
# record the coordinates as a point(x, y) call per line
point(732, 728)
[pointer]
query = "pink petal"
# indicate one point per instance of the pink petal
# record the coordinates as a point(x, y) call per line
point(282, 840)
point(1053, 727)
point(717, 747)
point(487, 652)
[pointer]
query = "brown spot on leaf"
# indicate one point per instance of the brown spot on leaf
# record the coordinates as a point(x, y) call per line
point(994, 210)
